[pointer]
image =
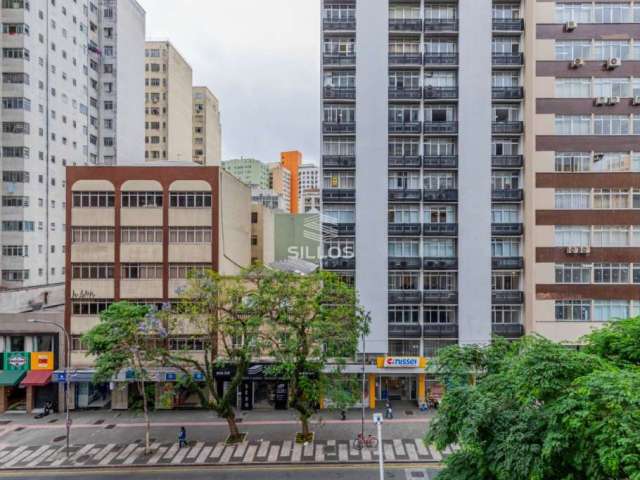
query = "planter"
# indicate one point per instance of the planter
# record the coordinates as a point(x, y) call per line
point(300, 439)
point(234, 441)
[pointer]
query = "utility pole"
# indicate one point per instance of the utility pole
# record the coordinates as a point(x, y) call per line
point(377, 419)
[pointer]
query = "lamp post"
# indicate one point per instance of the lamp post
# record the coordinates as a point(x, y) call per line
point(66, 373)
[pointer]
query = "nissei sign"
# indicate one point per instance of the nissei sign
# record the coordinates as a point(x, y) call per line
point(402, 362)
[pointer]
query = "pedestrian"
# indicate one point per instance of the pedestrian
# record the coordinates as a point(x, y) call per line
point(388, 411)
point(182, 437)
point(343, 414)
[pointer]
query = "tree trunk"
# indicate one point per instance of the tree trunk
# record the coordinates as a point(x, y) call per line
point(147, 422)
point(305, 427)
point(233, 427)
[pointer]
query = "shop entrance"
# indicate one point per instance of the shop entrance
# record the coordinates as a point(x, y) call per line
point(398, 388)
point(90, 395)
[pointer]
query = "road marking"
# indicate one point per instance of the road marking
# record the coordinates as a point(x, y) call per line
point(308, 450)
point(100, 455)
point(285, 451)
point(422, 448)
point(204, 454)
point(366, 455)
point(172, 451)
point(297, 453)
point(264, 448)
point(16, 452)
point(388, 452)
point(37, 454)
point(218, 450)
point(109, 458)
point(240, 449)
point(397, 444)
point(127, 451)
point(273, 453)
point(435, 454)
point(157, 456)
point(343, 454)
point(132, 458)
point(195, 450)
point(411, 451)
point(80, 452)
point(226, 456)
point(17, 459)
point(319, 453)
point(251, 454)
point(180, 456)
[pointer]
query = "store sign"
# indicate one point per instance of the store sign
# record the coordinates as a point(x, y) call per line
point(41, 360)
point(16, 361)
point(401, 362)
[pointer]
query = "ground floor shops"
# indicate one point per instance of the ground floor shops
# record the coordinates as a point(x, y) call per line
point(25, 382)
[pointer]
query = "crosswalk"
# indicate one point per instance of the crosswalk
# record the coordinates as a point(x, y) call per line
point(202, 453)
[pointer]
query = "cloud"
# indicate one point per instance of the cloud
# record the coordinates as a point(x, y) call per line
point(261, 59)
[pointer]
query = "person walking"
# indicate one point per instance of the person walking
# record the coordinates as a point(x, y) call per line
point(182, 437)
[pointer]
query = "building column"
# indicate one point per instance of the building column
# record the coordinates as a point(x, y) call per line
point(3, 399)
point(422, 388)
point(30, 399)
point(120, 396)
point(372, 391)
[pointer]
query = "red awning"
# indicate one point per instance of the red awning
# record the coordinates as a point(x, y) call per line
point(37, 378)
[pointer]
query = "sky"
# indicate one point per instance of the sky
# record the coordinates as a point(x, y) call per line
point(261, 59)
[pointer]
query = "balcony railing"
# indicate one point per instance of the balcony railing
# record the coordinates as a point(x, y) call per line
point(338, 195)
point(405, 330)
point(441, 161)
point(507, 161)
point(507, 93)
point(405, 263)
point(405, 59)
point(338, 161)
point(339, 229)
point(508, 24)
point(405, 93)
point(507, 58)
point(440, 330)
point(339, 263)
point(508, 330)
point(440, 296)
point(507, 297)
point(339, 24)
point(339, 93)
point(405, 162)
point(440, 263)
point(449, 195)
point(335, 127)
point(441, 127)
point(440, 58)
point(405, 24)
point(507, 229)
point(507, 127)
point(410, 229)
point(440, 25)
point(405, 127)
point(336, 59)
point(408, 195)
point(507, 263)
point(431, 93)
point(405, 296)
point(440, 229)
point(511, 195)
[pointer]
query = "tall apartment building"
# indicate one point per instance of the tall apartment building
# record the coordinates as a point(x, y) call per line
point(281, 183)
point(292, 161)
point(308, 178)
point(207, 130)
point(71, 94)
point(249, 170)
point(168, 103)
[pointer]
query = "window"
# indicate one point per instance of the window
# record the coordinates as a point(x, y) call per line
point(15, 275)
point(183, 271)
point(573, 310)
point(611, 273)
point(404, 281)
point(16, 103)
point(606, 49)
point(92, 235)
point(14, 201)
point(573, 273)
point(190, 235)
point(610, 236)
point(339, 147)
point(339, 180)
point(611, 162)
point(15, 78)
point(404, 114)
point(404, 314)
point(141, 235)
point(401, 80)
point(577, 12)
point(503, 180)
point(437, 147)
point(89, 307)
point(505, 146)
point(439, 247)
point(190, 344)
point(15, 53)
point(505, 281)
point(17, 226)
point(404, 248)
point(572, 236)
point(610, 198)
point(141, 199)
point(440, 113)
point(605, 310)
point(403, 181)
point(439, 214)
point(572, 49)
point(573, 125)
point(506, 314)
point(93, 199)
point(612, 87)
point(440, 281)
point(190, 199)
point(141, 271)
point(505, 213)
point(405, 348)
point(573, 198)
point(86, 271)
point(439, 314)
point(573, 88)
point(440, 181)
point(404, 214)
point(15, 251)
point(339, 214)
point(440, 12)
point(505, 247)
point(611, 124)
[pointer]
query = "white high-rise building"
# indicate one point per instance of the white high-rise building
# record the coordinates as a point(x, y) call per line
point(72, 94)
point(308, 175)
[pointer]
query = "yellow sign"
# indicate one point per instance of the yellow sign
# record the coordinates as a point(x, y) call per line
point(401, 362)
point(41, 360)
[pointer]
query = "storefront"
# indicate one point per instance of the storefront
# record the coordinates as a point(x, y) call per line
point(84, 393)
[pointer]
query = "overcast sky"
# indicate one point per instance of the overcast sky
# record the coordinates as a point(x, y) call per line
point(260, 58)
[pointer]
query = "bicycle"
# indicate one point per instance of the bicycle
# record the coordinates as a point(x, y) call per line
point(369, 441)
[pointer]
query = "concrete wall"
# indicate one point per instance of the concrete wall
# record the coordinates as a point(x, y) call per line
point(298, 237)
point(235, 224)
point(263, 231)
point(180, 105)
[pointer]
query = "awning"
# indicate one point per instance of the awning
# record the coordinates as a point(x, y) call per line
point(37, 378)
point(10, 378)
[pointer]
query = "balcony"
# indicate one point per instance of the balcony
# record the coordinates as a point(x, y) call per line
point(507, 161)
point(405, 330)
point(507, 59)
point(440, 229)
point(441, 161)
point(405, 263)
point(507, 127)
point(507, 297)
point(511, 195)
point(405, 162)
point(440, 93)
point(441, 127)
point(405, 127)
point(338, 162)
point(405, 59)
point(507, 93)
point(340, 229)
point(339, 263)
point(440, 25)
point(339, 127)
point(440, 330)
point(508, 24)
point(440, 296)
point(413, 297)
point(507, 263)
point(440, 263)
point(405, 93)
point(508, 330)
point(405, 195)
point(507, 229)
point(405, 25)
point(440, 58)
point(408, 229)
point(335, 93)
point(341, 24)
point(449, 195)
point(337, 60)
point(338, 195)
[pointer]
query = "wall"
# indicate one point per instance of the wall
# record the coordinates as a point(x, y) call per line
point(297, 236)
point(235, 224)
point(264, 233)
point(180, 105)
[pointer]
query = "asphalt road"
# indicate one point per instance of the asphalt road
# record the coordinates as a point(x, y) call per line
point(300, 472)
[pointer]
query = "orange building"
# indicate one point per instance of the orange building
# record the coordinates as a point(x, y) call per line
point(292, 161)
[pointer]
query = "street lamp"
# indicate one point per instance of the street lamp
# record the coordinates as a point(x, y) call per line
point(66, 373)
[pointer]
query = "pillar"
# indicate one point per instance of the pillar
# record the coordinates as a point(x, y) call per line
point(422, 388)
point(120, 396)
point(3, 399)
point(30, 396)
point(372, 391)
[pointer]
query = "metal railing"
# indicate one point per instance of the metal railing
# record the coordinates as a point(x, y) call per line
point(440, 296)
point(507, 127)
point(507, 297)
point(508, 24)
point(440, 25)
point(507, 263)
point(405, 296)
point(405, 263)
point(509, 330)
point(440, 58)
point(405, 24)
point(431, 93)
point(440, 161)
point(338, 195)
point(440, 330)
point(405, 162)
point(405, 93)
point(330, 127)
point(406, 195)
point(411, 229)
point(339, 24)
point(507, 161)
point(507, 93)
point(336, 59)
point(405, 127)
point(339, 93)
point(448, 195)
point(440, 263)
point(338, 161)
point(510, 195)
point(440, 229)
point(507, 58)
point(507, 228)
point(405, 59)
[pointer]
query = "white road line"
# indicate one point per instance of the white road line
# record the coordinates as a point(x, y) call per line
point(83, 451)
point(108, 459)
point(204, 454)
point(297, 453)
point(157, 456)
point(422, 448)
point(411, 451)
point(15, 453)
point(217, 451)
point(273, 454)
point(319, 453)
point(435, 454)
point(132, 458)
point(285, 451)
point(180, 456)
point(308, 450)
point(366, 455)
point(195, 450)
point(331, 443)
point(251, 454)
point(17, 459)
point(43, 457)
point(343, 453)
point(172, 451)
point(388, 452)
point(240, 449)
point(127, 451)
point(264, 448)
point(226, 456)
point(397, 444)
point(37, 453)
point(101, 454)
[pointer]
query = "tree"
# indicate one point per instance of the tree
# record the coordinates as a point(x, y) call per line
point(216, 308)
point(312, 325)
point(618, 342)
point(125, 340)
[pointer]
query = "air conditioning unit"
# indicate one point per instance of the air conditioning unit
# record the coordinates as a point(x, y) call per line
point(570, 26)
point(635, 101)
point(577, 63)
point(573, 250)
point(614, 62)
point(585, 250)
point(600, 101)
point(613, 100)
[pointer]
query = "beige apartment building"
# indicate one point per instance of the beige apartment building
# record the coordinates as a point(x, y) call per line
point(280, 182)
point(168, 104)
point(207, 129)
point(135, 233)
point(262, 234)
